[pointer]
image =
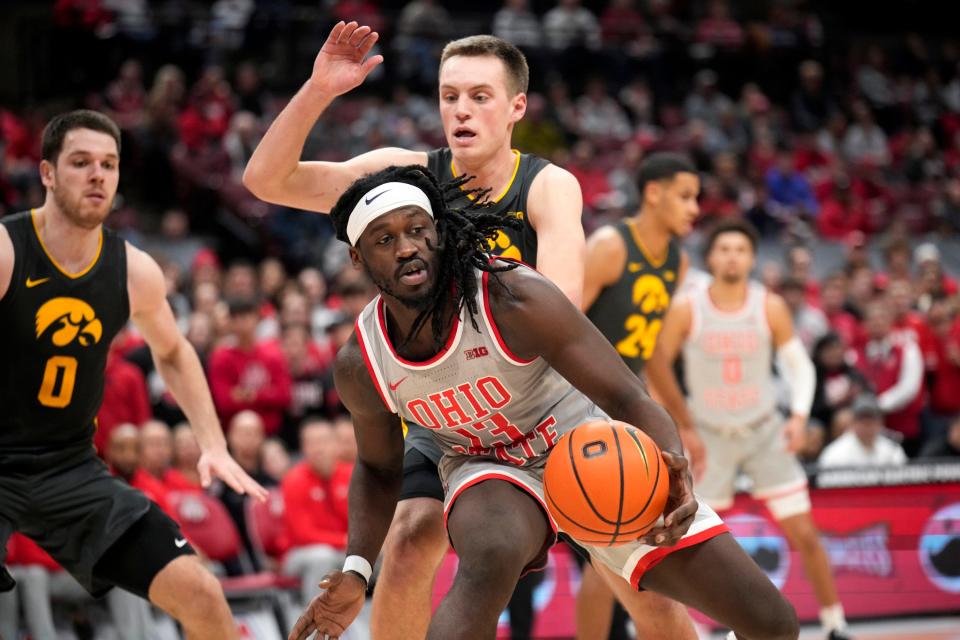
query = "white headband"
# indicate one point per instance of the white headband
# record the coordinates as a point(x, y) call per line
point(383, 199)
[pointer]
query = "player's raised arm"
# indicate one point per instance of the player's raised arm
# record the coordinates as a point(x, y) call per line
point(374, 489)
point(178, 364)
point(536, 320)
point(275, 172)
point(555, 210)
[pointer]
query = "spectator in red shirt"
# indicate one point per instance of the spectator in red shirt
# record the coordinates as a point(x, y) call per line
point(910, 322)
point(123, 456)
point(315, 507)
point(156, 455)
point(308, 366)
point(125, 396)
point(249, 375)
point(843, 213)
point(894, 366)
point(833, 300)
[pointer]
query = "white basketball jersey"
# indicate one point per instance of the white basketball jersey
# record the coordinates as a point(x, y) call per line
point(475, 396)
point(727, 361)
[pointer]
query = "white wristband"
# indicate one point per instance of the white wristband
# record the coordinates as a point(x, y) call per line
point(359, 565)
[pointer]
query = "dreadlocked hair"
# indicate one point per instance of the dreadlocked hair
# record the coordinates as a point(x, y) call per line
point(465, 233)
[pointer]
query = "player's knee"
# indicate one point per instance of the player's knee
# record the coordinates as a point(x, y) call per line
point(803, 535)
point(774, 619)
point(490, 559)
point(416, 538)
point(191, 594)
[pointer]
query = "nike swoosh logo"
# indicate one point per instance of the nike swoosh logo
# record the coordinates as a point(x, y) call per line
point(32, 283)
point(180, 542)
point(372, 198)
point(393, 387)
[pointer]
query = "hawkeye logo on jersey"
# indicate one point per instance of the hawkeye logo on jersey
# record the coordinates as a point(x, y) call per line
point(468, 417)
point(68, 320)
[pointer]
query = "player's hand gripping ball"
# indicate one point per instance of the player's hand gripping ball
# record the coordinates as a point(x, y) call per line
point(606, 483)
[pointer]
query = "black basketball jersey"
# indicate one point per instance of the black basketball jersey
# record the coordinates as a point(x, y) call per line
point(630, 311)
point(55, 332)
point(517, 244)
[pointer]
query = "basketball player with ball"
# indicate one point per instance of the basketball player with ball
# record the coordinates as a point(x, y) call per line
point(499, 365)
point(728, 334)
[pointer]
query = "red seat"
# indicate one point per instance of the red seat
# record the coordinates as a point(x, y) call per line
point(268, 532)
point(206, 523)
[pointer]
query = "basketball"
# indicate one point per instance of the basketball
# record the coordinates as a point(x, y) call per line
point(606, 483)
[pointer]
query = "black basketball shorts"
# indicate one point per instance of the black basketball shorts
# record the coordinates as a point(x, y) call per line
point(96, 526)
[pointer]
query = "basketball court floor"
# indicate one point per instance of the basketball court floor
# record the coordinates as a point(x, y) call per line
point(944, 628)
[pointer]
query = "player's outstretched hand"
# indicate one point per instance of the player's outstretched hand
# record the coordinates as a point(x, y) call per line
point(681, 505)
point(218, 463)
point(331, 612)
point(341, 65)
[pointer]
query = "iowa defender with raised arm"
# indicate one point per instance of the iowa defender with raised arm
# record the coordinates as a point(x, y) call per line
point(67, 286)
point(496, 362)
point(482, 91)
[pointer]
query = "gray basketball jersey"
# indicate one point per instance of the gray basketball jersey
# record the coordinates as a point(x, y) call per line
point(475, 397)
point(727, 360)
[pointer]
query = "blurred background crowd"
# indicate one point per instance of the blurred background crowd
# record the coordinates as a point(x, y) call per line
point(834, 133)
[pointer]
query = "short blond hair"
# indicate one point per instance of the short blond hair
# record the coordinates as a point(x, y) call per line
point(515, 63)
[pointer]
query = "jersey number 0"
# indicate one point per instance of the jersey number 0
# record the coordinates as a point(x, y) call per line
point(62, 370)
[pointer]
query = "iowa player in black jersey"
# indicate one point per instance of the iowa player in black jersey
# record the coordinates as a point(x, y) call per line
point(67, 286)
point(633, 269)
point(483, 83)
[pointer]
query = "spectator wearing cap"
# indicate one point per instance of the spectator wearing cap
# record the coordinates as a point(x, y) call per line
point(864, 444)
point(247, 374)
point(894, 366)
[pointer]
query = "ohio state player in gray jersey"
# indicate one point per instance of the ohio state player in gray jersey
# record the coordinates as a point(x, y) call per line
point(498, 364)
point(728, 333)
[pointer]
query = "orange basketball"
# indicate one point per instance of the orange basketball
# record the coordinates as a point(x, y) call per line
point(606, 483)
